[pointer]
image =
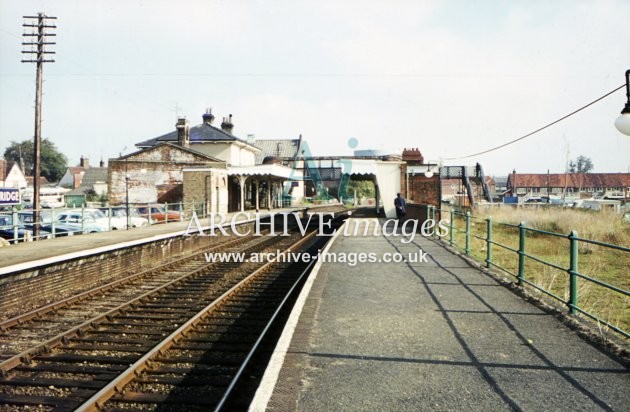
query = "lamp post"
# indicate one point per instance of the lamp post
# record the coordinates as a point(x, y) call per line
point(623, 122)
point(127, 197)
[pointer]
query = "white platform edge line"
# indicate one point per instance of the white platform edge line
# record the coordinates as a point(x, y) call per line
point(87, 252)
point(270, 377)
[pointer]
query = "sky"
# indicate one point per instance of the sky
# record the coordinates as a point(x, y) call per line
point(451, 78)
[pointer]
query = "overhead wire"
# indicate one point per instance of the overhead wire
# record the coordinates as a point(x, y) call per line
point(539, 129)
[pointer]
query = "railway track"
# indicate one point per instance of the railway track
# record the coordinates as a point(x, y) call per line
point(21, 333)
point(179, 346)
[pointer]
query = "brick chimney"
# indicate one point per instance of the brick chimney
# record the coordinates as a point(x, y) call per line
point(208, 117)
point(183, 132)
point(84, 162)
point(412, 156)
point(227, 126)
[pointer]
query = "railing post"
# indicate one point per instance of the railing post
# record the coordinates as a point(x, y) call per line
point(433, 214)
point(488, 242)
point(109, 219)
point(467, 250)
point(573, 270)
point(521, 253)
point(165, 212)
point(83, 218)
point(452, 226)
point(52, 223)
point(14, 219)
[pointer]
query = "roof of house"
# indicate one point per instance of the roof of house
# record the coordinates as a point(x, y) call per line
point(8, 166)
point(42, 180)
point(198, 134)
point(94, 175)
point(174, 145)
point(282, 148)
point(74, 170)
point(500, 180)
point(570, 180)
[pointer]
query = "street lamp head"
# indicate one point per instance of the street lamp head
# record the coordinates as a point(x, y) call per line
point(623, 122)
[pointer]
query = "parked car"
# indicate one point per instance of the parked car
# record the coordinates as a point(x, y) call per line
point(157, 214)
point(84, 220)
point(24, 230)
point(25, 219)
point(119, 214)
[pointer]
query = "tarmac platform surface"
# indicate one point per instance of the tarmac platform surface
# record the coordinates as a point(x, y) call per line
point(435, 335)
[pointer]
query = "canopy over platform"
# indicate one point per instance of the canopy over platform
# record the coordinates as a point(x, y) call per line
point(386, 175)
point(274, 170)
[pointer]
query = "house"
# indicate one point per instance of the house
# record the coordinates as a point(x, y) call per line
point(207, 139)
point(204, 166)
point(93, 183)
point(74, 174)
point(11, 175)
point(154, 174)
point(572, 185)
point(500, 183)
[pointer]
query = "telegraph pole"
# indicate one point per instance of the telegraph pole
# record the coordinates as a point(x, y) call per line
point(36, 38)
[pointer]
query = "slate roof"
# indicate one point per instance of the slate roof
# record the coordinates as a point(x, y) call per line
point(584, 180)
point(198, 134)
point(94, 175)
point(282, 148)
point(186, 149)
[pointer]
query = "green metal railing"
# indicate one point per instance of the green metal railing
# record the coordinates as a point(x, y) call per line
point(521, 255)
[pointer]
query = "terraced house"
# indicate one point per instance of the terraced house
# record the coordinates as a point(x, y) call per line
point(574, 185)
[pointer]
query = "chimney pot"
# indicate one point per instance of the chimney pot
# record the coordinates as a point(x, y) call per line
point(183, 132)
point(227, 126)
point(84, 162)
point(208, 117)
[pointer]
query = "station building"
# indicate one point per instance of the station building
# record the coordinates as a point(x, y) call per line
point(206, 167)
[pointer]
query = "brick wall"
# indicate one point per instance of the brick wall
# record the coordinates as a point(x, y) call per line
point(423, 190)
point(36, 287)
point(201, 187)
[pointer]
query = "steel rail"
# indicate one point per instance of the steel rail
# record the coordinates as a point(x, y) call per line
point(25, 356)
point(51, 307)
point(98, 400)
point(262, 335)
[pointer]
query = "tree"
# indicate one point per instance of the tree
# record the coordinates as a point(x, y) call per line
point(582, 164)
point(364, 188)
point(53, 164)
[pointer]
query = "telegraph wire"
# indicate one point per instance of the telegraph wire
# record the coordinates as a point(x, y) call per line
point(539, 129)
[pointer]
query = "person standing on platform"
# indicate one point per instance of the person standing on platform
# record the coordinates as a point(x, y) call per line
point(401, 206)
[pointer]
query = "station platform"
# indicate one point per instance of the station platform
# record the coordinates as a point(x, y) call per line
point(434, 335)
point(25, 254)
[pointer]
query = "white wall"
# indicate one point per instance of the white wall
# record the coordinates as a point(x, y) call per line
point(15, 178)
